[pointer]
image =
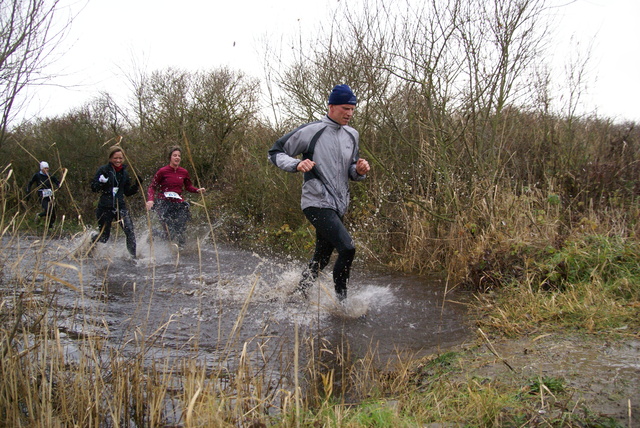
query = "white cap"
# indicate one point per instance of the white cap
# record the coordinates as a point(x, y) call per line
point(43, 165)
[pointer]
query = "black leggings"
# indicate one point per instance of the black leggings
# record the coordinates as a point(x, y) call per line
point(48, 210)
point(106, 216)
point(174, 217)
point(331, 234)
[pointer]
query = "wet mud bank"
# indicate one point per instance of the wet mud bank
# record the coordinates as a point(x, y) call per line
point(597, 375)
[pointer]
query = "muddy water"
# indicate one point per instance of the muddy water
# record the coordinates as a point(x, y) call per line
point(220, 300)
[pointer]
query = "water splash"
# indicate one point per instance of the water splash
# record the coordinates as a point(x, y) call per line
point(205, 291)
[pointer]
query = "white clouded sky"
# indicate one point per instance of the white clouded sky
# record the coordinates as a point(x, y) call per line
point(611, 26)
point(109, 36)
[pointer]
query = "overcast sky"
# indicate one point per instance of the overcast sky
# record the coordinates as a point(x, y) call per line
point(110, 37)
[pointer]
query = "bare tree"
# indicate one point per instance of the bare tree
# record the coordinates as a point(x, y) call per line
point(28, 38)
point(163, 100)
point(210, 109)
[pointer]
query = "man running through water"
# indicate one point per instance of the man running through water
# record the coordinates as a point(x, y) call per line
point(330, 158)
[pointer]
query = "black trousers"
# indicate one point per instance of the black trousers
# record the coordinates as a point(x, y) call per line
point(174, 217)
point(106, 216)
point(48, 210)
point(331, 234)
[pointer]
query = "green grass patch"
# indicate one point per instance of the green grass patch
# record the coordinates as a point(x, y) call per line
point(551, 384)
point(611, 261)
point(591, 284)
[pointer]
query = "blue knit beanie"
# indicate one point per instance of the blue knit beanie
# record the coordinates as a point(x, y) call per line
point(342, 94)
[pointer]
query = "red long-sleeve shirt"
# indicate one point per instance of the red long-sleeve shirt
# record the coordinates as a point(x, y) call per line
point(168, 180)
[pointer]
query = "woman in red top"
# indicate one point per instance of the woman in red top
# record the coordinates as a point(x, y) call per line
point(165, 196)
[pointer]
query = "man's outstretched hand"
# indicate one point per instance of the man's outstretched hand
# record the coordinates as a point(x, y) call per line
point(362, 167)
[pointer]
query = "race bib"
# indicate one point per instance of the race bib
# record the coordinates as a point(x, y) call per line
point(46, 193)
point(172, 195)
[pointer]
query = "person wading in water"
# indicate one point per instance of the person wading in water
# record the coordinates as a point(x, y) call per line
point(165, 196)
point(330, 158)
point(113, 183)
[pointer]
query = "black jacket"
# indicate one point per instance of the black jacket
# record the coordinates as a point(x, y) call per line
point(119, 180)
point(41, 181)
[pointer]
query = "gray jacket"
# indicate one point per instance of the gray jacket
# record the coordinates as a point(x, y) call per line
point(334, 149)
